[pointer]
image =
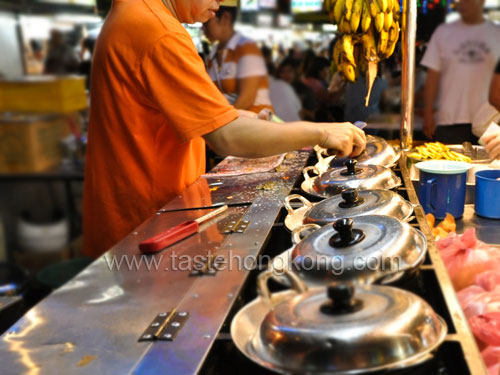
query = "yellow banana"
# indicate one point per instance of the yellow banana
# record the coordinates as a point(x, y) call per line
point(345, 26)
point(388, 21)
point(336, 51)
point(374, 8)
point(348, 71)
point(393, 40)
point(338, 10)
point(390, 5)
point(394, 32)
point(382, 4)
point(390, 49)
point(366, 18)
point(369, 45)
point(348, 48)
point(348, 9)
point(357, 9)
point(383, 39)
point(379, 21)
point(396, 10)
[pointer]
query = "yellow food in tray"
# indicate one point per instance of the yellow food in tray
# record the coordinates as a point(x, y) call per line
point(439, 151)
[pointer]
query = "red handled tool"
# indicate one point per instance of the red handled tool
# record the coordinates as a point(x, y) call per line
point(177, 233)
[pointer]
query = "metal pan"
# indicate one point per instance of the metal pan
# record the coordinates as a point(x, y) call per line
point(351, 203)
point(339, 330)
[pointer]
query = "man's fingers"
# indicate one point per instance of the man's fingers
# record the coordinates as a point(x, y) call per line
point(493, 149)
point(495, 152)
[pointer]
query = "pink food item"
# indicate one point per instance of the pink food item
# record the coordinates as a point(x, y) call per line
point(486, 328)
point(491, 355)
point(494, 370)
point(489, 280)
point(478, 303)
point(467, 297)
point(465, 257)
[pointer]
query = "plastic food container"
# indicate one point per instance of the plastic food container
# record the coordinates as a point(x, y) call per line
point(488, 194)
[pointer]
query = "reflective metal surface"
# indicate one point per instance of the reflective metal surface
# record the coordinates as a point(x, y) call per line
point(387, 247)
point(377, 152)
point(91, 325)
point(371, 202)
point(338, 330)
point(361, 177)
point(348, 204)
point(408, 38)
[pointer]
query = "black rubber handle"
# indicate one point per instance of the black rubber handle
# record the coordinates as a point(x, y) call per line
point(350, 198)
point(351, 168)
point(342, 299)
point(346, 235)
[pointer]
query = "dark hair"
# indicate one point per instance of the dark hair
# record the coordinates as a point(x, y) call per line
point(286, 62)
point(232, 11)
point(316, 66)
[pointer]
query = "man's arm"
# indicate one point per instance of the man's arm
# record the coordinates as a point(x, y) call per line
point(494, 96)
point(247, 91)
point(250, 137)
point(430, 94)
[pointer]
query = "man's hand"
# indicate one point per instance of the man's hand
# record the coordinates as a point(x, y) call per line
point(492, 144)
point(345, 138)
point(429, 125)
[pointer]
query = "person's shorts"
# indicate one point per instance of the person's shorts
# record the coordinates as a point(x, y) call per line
point(455, 134)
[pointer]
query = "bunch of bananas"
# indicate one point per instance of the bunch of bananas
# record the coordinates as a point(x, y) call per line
point(437, 150)
point(370, 32)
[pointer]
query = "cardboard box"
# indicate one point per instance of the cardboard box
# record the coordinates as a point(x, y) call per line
point(43, 94)
point(31, 143)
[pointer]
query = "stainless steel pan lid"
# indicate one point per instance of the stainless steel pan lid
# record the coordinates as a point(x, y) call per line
point(362, 177)
point(365, 249)
point(377, 152)
point(354, 202)
point(339, 330)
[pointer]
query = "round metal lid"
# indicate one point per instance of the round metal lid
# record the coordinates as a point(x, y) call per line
point(354, 202)
point(363, 177)
point(364, 250)
point(348, 330)
point(377, 152)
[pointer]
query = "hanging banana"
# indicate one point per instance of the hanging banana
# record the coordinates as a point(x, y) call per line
point(357, 9)
point(366, 18)
point(370, 32)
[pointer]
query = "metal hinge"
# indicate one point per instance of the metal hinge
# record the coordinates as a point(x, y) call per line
point(165, 326)
point(208, 266)
point(236, 226)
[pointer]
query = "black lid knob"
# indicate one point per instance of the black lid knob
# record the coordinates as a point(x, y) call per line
point(342, 299)
point(351, 168)
point(346, 236)
point(340, 294)
point(351, 198)
point(344, 228)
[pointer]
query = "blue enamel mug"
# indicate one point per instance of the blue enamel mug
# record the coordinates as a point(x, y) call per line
point(442, 187)
point(488, 193)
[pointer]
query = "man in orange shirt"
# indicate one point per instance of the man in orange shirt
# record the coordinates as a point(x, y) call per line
point(153, 106)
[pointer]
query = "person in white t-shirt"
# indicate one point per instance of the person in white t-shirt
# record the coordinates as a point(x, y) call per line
point(460, 58)
point(284, 100)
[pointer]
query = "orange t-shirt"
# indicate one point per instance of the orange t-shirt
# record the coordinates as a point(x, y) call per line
point(151, 101)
